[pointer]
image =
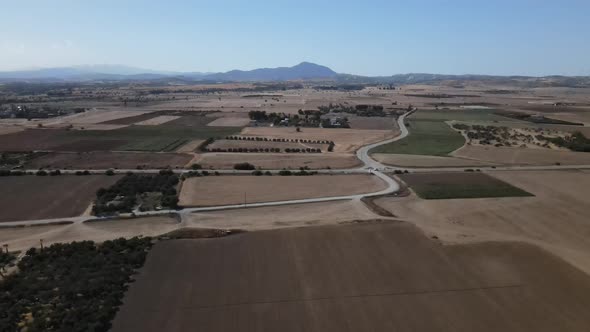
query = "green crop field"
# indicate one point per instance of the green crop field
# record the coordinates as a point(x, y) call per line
point(154, 145)
point(460, 185)
point(434, 138)
point(153, 138)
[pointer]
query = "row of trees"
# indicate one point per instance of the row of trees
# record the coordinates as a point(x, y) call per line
point(70, 287)
point(284, 140)
point(266, 150)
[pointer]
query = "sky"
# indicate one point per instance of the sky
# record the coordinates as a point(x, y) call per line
point(497, 37)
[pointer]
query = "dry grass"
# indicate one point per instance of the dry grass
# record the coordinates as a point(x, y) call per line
point(157, 120)
point(408, 160)
point(229, 122)
point(225, 190)
point(522, 156)
point(271, 217)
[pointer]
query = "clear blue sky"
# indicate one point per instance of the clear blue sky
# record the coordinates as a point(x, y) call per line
point(361, 37)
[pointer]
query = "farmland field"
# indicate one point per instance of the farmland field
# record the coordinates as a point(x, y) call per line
point(222, 190)
point(459, 115)
point(414, 160)
point(45, 197)
point(556, 218)
point(106, 160)
point(364, 277)
point(434, 138)
point(519, 156)
point(460, 185)
point(155, 144)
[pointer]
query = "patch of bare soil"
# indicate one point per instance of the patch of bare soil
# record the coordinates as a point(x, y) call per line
point(358, 277)
point(46, 197)
point(23, 238)
point(270, 217)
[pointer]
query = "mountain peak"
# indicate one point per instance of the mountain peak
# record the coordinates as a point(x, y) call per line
point(304, 70)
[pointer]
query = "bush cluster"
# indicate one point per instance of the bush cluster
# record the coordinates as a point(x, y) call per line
point(122, 196)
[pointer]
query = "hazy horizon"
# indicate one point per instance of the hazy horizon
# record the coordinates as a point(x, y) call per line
point(376, 39)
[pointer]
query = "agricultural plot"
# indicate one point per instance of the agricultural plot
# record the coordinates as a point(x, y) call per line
point(460, 185)
point(414, 160)
point(45, 197)
point(363, 277)
point(155, 138)
point(520, 156)
point(224, 190)
point(156, 144)
point(229, 122)
point(105, 160)
point(433, 138)
point(158, 120)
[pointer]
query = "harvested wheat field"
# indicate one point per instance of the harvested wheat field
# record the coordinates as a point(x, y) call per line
point(94, 116)
point(226, 190)
point(10, 129)
point(366, 277)
point(280, 161)
point(229, 122)
point(23, 238)
point(158, 120)
point(346, 140)
point(190, 146)
point(270, 217)
point(410, 160)
point(522, 156)
point(106, 160)
point(555, 219)
point(45, 197)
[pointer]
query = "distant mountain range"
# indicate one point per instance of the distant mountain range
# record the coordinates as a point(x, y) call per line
point(302, 71)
